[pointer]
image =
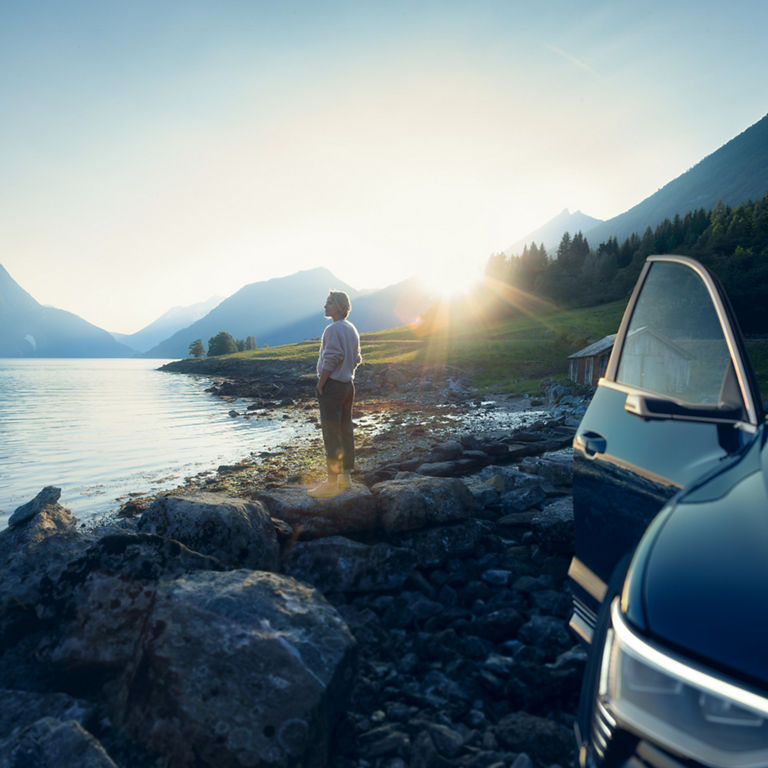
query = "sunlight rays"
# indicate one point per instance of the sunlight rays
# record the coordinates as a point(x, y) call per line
point(473, 319)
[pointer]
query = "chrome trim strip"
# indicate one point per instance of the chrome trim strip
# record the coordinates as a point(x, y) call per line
point(587, 580)
point(581, 628)
point(696, 677)
point(599, 744)
point(605, 714)
point(604, 731)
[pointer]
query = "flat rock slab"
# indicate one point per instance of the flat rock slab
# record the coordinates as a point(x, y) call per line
point(350, 511)
point(413, 502)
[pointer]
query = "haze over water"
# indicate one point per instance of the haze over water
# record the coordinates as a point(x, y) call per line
point(103, 428)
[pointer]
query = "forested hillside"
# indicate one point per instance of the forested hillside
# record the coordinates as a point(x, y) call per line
point(734, 174)
point(732, 241)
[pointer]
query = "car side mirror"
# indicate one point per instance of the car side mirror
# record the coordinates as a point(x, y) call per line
point(662, 409)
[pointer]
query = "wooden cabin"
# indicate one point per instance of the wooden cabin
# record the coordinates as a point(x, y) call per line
point(587, 365)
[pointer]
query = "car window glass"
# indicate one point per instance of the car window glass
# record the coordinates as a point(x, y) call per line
point(675, 344)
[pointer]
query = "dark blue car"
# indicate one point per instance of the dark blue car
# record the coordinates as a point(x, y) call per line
point(670, 572)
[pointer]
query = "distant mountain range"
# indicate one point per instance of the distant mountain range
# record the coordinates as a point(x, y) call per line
point(276, 311)
point(259, 309)
point(290, 308)
point(30, 329)
point(166, 325)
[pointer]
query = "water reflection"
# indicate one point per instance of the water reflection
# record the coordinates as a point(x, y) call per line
point(101, 429)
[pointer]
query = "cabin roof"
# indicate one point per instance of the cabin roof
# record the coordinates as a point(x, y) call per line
point(595, 348)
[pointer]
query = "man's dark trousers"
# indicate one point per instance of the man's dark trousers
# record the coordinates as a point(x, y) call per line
point(336, 421)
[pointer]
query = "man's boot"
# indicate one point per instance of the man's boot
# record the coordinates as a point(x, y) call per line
point(329, 487)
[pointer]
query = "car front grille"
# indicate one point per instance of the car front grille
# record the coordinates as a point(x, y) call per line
point(613, 746)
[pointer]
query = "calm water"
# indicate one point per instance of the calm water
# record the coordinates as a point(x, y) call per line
point(101, 429)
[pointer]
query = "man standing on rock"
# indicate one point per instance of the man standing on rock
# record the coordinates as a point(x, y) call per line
point(339, 357)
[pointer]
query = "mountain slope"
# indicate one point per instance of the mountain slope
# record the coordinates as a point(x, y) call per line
point(31, 330)
point(551, 233)
point(259, 309)
point(167, 324)
point(735, 173)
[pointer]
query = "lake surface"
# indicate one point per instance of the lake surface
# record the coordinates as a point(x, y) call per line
point(103, 428)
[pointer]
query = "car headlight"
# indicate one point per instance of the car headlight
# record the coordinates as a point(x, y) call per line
point(686, 710)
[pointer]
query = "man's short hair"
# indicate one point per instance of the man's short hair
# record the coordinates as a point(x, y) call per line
point(341, 300)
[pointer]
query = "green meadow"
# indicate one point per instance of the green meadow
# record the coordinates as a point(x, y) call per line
point(508, 355)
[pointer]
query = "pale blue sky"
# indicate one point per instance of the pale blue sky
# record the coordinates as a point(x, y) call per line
point(156, 153)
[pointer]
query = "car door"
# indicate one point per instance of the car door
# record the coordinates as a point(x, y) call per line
point(678, 400)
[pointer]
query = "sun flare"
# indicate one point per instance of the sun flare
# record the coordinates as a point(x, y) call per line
point(447, 280)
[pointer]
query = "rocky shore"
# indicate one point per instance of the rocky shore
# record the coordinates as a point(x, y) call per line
point(416, 619)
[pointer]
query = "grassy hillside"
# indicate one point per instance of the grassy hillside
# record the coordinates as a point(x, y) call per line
point(510, 355)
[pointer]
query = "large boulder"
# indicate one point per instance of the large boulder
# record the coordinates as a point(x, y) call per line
point(337, 564)
point(37, 520)
point(413, 502)
point(237, 532)
point(225, 669)
point(352, 511)
point(46, 500)
point(41, 538)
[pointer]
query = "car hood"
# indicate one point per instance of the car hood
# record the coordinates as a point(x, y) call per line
point(699, 581)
